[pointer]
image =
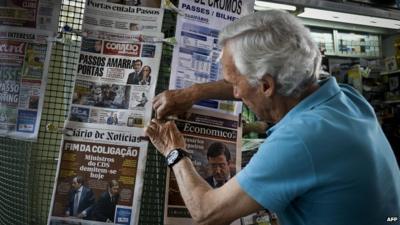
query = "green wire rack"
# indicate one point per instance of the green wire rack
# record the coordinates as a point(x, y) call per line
point(28, 169)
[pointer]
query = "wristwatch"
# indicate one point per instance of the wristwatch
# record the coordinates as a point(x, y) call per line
point(175, 156)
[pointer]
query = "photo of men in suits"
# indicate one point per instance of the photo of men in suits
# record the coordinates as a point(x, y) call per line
point(219, 160)
point(80, 199)
point(104, 209)
point(112, 119)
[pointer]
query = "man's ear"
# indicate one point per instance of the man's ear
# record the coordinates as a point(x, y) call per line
point(269, 85)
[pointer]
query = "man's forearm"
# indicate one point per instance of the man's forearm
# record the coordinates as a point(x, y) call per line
point(220, 90)
point(191, 186)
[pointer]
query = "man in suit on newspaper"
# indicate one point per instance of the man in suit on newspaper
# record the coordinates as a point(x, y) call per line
point(80, 200)
point(136, 75)
point(219, 160)
point(104, 208)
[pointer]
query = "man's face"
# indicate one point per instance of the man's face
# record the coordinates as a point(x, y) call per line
point(146, 70)
point(114, 190)
point(252, 95)
point(219, 167)
point(98, 46)
point(75, 184)
point(137, 66)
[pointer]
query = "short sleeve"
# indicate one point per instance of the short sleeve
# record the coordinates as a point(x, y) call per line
point(280, 171)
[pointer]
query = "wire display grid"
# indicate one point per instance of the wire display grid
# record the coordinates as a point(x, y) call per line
point(28, 170)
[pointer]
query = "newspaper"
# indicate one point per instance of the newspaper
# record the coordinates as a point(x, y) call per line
point(107, 81)
point(39, 14)
point(98, 163)
point(113, 18)
point(195, 57)
point(103, 141)
point(109, 92)
point(203, 130)
point(24, 61)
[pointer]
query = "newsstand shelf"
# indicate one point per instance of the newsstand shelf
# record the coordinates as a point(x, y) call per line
point(390, 72)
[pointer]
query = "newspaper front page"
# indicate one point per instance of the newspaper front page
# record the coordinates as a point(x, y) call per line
point(196, 53)
point(39, 14)
point(24, 60)
point(115, 83)
point(100, 157)
point(116, 74)
point(204, 131)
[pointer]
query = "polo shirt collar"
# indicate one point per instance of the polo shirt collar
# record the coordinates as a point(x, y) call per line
point(328, 89)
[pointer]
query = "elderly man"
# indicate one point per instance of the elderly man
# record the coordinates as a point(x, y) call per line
point(326, 160)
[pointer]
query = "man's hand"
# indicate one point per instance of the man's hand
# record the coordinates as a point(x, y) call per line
point(172, 102)
point(165, 136)
point(175, 102)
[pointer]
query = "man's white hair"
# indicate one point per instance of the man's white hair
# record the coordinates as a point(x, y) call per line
point(273, 42)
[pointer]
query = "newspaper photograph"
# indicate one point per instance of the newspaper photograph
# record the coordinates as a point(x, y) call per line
point(195, 57)
point(39, 14)
point(107, 105)
point(98, 182)
point(213, 140)
point(24, 61)
point(114, 18)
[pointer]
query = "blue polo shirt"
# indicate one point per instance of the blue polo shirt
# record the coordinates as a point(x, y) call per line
point(327, 162)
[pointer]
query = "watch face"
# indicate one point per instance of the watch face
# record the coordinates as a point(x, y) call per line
point(172, 156)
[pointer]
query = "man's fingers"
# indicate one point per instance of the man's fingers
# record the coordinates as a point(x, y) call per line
point(171, 124)
point(147, 131)
point(161, 111)
point(156, 98)
point(155, 121)
point(157, 101)
point(156, 105)
point(151, 129)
